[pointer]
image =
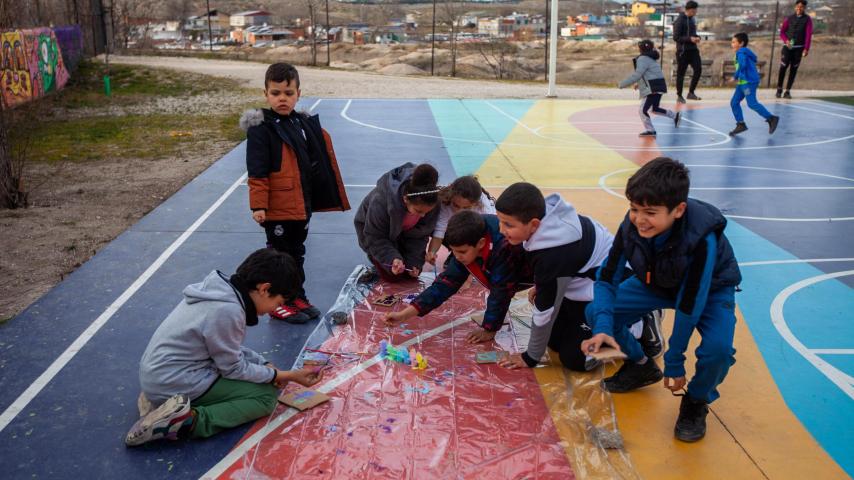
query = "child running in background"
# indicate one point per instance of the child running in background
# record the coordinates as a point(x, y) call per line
point(746, 78)
point(651, 85)
point(464, 193)
point(395, 220)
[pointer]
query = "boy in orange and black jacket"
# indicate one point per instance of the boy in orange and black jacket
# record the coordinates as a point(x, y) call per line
point(292, 173)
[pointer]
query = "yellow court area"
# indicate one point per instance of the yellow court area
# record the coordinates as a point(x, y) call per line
point(751, 431)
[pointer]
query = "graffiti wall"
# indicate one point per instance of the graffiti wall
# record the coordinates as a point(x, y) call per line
point(31, 65)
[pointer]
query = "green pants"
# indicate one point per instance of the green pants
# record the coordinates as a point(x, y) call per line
point(230, 403)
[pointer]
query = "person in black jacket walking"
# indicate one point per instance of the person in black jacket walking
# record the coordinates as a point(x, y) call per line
point(687, 52)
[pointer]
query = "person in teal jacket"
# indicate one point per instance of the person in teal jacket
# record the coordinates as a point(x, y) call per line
point(746, 78)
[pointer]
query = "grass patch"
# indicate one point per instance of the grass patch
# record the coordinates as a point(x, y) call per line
point(131, 136)
point(132, 84)
point(842, 100)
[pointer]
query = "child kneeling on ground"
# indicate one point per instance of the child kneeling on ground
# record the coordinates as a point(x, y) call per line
point(395, 220)
point(682, 260)
point(478, 249)
point(195, 365)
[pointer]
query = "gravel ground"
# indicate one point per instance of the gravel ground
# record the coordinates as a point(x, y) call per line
point(328, 83)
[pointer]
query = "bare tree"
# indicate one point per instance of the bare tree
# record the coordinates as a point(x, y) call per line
point(452, 12)
point(842, 20)
point(499, 55)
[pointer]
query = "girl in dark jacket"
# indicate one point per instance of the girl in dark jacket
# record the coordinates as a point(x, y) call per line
point(395, 220)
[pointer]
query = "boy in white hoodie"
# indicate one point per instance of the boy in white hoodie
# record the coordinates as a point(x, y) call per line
point(565, 250)
point(196, 355)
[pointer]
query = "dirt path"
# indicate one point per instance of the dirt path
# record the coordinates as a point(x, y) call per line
point(320, 82)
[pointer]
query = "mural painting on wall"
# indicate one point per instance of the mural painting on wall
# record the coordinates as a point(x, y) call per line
point(31, 65)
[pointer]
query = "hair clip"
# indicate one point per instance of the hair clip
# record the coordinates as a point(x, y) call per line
point(424, 193)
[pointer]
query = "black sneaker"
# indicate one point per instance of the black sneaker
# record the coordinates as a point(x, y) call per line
point(772, 124)
point(651, 340)
point(647, 133)
point(779, 94)
point(303, 305)
point(680, 99)
point(691, 96)
point(739, 127)
point(677, 119)
point(691, 424)
point(632, 376)
point(787, 95)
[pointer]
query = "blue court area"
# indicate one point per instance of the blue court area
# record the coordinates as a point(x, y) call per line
point(68, 367)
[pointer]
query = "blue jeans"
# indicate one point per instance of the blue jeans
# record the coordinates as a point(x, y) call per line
point(716, 326)
point(747, 90)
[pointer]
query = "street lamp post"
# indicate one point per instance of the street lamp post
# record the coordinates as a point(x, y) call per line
point(433, 40)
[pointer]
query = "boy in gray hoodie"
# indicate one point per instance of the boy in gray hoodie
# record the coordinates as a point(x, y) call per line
point(196, 355)
point(650, 85)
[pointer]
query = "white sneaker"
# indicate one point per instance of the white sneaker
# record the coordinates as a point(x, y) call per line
point(162, 422)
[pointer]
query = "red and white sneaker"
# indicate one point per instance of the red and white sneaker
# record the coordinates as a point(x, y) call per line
point(305, 307)
point(290, 314)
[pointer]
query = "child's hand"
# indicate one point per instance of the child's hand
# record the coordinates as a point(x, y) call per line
point(592, 344)
point(414, 272)
point(674, 384)
point(635, 87)
point(259, 216)
point(532, 295)
point(397, 266)
point(513, 362)
point(393, 317)
point(479, 336)
point(306, 376)
point(430, 258)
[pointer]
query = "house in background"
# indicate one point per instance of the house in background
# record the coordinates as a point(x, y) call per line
point(250, 18)
point(196, 26)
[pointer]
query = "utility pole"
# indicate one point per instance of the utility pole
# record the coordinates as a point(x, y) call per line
point(328, 41)
point(773, 42)
point(663, 24)
point(433, 40)
point(553, 50)
point(210, 30)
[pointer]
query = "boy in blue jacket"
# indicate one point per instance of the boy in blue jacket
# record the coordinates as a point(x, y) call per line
point(681, 259)
point(746, 78)
point(478, 249)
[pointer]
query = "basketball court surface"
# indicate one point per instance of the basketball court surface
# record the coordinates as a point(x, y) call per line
point(68, 367)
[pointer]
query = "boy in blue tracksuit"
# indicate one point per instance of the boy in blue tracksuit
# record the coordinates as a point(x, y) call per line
point(682, 260)
point(746, 78)
point(478, 249)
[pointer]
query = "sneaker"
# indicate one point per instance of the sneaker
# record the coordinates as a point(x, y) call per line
point(680, 99)
point(632, 376)
point(162, 422)
point(787, 95)
point(772, 124)
point(651, 340)
point(739, 127)
point(303, 305)
point(779, 93)
point(691, 424)
point(290, 314)
point(692, 96)
point(647, 133)
point(677, 119)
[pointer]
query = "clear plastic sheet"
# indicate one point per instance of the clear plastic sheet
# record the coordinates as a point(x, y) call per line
point(456, 419)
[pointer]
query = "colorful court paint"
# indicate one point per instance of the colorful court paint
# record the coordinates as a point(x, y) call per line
point(68, 364)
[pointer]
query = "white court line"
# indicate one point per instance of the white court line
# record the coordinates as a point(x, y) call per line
point(795, 260)
point(841, 379)
point(830, 105)
point(820, 111)
point(832, 351)
point(603, 179)
point(591, 187)
point(327, 387)
point(597, 146)
point(30, 393)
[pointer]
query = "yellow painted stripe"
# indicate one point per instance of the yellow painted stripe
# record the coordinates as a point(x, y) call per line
point(752, 434)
